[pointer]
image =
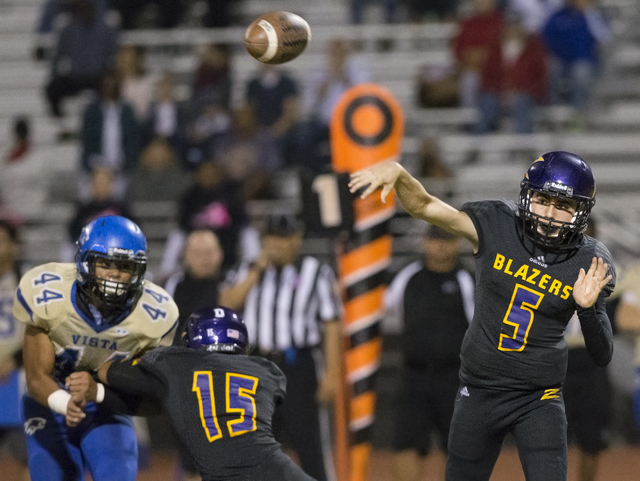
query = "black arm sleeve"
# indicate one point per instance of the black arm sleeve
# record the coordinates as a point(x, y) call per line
point(137, 378)
point(120, 402)
point(598, 335)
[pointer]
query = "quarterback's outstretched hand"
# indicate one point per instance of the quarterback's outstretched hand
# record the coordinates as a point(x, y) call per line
point(588, 286)
point(384, 174)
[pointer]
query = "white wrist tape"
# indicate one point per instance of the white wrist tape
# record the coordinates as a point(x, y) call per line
point(58, 401)
point(100, 392)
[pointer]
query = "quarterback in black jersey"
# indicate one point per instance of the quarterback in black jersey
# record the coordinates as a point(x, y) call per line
point(534, 269)
point(220, 400)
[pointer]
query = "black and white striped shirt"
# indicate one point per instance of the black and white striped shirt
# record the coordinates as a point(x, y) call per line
point(287, 306)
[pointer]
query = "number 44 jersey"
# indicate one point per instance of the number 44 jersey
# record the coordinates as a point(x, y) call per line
point(46, 298)
point(524, 300)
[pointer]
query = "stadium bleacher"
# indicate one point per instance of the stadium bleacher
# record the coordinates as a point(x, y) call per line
point(611, 145)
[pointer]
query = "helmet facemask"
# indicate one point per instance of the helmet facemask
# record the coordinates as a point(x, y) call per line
point(112, 294)
point(549, 233)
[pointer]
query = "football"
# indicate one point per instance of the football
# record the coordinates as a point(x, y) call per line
point(277, 37)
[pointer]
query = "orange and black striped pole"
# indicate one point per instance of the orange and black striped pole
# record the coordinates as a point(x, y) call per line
point(366, 128)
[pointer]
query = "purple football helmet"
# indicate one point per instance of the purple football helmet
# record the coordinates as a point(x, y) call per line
point(216, 329)
point(564, 175)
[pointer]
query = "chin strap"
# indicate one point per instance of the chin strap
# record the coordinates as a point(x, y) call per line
point(87, 304)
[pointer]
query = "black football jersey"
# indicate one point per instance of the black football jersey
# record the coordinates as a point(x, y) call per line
point(221, 406)
point(523, 303)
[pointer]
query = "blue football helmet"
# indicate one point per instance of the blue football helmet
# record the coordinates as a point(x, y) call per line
point(216, 329)
point(113, 242)
point(564, 175)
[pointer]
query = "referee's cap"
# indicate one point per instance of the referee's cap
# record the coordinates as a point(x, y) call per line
point(283, 225)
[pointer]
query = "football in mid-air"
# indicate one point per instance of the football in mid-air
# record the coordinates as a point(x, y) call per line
point(277, 37)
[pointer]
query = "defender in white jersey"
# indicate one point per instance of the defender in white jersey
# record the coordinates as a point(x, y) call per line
point(79, 316)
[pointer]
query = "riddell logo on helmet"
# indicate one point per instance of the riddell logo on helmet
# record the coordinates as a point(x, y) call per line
point(557, 187)
point(120, 251)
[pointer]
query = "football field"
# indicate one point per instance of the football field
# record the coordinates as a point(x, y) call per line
point(617, 464)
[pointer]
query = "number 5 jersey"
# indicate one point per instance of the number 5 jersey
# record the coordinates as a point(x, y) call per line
point(46, 298)
point(524, 300)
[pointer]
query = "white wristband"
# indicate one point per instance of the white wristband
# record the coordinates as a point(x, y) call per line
point(58, 401)
point(99, 392)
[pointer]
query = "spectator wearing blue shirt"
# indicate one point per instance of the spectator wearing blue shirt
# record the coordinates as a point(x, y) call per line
point(85, 49)
point(50, 13)
point(572, 36)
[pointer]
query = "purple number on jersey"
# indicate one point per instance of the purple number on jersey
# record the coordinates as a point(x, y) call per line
point(519, 318)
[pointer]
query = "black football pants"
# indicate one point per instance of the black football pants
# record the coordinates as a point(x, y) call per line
point(483, 417)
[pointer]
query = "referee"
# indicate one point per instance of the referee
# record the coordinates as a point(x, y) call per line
point(291, 308)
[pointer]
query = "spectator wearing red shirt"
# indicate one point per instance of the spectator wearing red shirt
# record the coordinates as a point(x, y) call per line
point(476, 36)
point(513, 80)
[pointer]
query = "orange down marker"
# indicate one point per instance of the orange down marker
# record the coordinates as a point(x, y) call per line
point(366, 128)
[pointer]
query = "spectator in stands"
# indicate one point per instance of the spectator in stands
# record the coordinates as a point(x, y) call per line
point(587, 397)
point(207, 113)
point(572, 36)
point(273, 94)
point(248, 155)
point(534, 13)
point(165, 114)
point(198, 283)
point(136, 85)
point(168, 13)
point(212, 202)
point(321, 97)
point(110, 133)
point(513, 79)
point(442, 10)
point(430, 164)
point(433, 301)
point(85, 49)
point(102, 202)
point(217, 14)
point(51, 12)
point(476, 36)
point(357, 7)
point(25, 175)
point(158, 176)
point(211, 79)
point(203, 124)
point(21, 140)
point(433, 171)
point(438, 86)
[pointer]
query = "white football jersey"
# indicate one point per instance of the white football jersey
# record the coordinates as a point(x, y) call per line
point(46, 298)
point(11, 331)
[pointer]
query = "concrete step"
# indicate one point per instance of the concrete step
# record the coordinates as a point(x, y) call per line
point(19, 18)
point(16, 46)
point(22, 74)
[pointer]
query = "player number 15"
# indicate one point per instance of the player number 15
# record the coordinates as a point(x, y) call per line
point(240, 390)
